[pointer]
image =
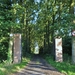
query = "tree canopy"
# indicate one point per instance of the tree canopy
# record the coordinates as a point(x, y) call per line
point(36, 20)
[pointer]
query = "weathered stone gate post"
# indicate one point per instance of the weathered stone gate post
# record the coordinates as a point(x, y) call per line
point(17, 48)
point(73, 42)
point(73, 47)
point(58, 50)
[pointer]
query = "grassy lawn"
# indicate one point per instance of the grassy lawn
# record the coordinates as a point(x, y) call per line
point(8, 69)
point(65, 67)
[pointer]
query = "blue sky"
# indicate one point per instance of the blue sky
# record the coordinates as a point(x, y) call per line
point(37, 1)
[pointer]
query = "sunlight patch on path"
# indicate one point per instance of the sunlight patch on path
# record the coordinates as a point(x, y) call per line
point(38, 66)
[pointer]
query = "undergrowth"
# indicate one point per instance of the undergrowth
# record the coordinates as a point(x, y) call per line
point(8, 69)
point(65, 67)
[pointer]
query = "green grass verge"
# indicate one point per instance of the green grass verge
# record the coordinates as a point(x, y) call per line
point(65, 67)
point(8, 69)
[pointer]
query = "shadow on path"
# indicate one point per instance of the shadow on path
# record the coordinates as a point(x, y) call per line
point(38, 66)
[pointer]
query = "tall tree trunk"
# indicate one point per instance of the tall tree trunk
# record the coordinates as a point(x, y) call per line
point(48, 36)
point(44, 43)
point(71, 11)
point(26, 36)
point(29, 39)
point(52, 37)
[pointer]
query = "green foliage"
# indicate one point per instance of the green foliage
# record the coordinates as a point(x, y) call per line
point(6, 69)
point(65, 67)
point(4, 32)
point(36, 21)
point(3, 49)
point(67, 45)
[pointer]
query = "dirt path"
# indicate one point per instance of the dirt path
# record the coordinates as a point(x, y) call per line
point(38, 66)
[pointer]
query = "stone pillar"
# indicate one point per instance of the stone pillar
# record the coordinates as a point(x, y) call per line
point(73, 46)
point(74, 9)
point(73, 49)
point(17, 48)
point(73, 42)
point(58, 50)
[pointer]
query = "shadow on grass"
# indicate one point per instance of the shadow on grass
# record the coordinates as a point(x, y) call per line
point(12, 68)
point(64, 67)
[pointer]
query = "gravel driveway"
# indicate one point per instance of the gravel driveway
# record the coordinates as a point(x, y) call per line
point(38, 66)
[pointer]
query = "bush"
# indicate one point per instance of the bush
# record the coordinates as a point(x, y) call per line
point(3, 49)
point(67, 45)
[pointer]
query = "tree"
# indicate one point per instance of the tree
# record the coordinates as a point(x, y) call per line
point(39, 21)
point(5, 28)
